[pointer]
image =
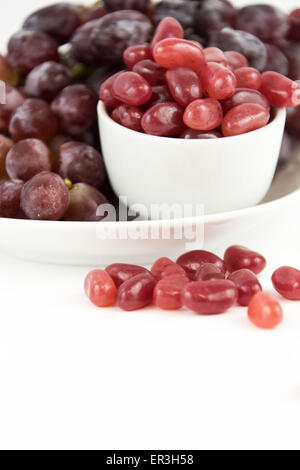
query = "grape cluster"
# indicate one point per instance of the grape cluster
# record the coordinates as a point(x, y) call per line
point(64, 53)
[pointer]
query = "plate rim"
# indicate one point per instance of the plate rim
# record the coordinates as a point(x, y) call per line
point(210, 218)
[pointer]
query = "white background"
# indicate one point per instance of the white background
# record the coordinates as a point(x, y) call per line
point(75, 377)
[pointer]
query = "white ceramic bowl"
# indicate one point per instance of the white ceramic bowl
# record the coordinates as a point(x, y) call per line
point(222, 174)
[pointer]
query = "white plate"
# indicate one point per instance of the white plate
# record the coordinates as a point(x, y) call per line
point(77, 243)
point(80, 243)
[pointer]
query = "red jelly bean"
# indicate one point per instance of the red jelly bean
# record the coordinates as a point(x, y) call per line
point(209, 298)
point(167, 292)
point(286, 281)
point(165, 267)
point(168, 28)
point(264, 311)
point(128, 116)
point(193, 260)
point(214, 54)
point(239, 257)
point(132, 89)
point(120, 272)
point(245, 95)
point(236, 60)
point(280, 90)
point(209, 272)
point(184, 85)
point(171, 53)
point(150, 71)
point(248, 77)
point(100, 288)
point(134, 54)
point(219, 81)
point(163, 119)
point(247, 285)
point(106, 92)
point(203, 115)
point(245, 118)
point(136, 293)
point(194, 134)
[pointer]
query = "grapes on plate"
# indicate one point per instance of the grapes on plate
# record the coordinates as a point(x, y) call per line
point(81, 163)
point(10, 194)
point(27, 49)
point(45, 197)
point(46, 80)
point(33, 118)
point(13, 99)
point(112, 34)
point(183, 11)
point(115, 5)
point(264, 21)
point(5, 145)
point(27, 158)
point(59, 20)
point(84, 203)
point(245, 43)
point(75, 107)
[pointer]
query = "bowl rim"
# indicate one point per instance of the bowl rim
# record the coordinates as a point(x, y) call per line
point(278, 116)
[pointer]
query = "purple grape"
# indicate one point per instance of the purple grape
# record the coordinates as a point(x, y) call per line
point(14, 98)
point(91, 137)
point(5, 146)
point(116, 31)
point(59, 20)
point(276, 60)
point(76, 109)
point(214, 15)
point(81, 163)
point(45, 197)
point(115, 5)
point(84, 202)
point(292, 51)
point(94, 12)
point(27, 158)
point(27, 49)
point(264, 21)
point(240, 41)
point(293, 123)
point(46, 80)
point(294, 19)
point(10, 194)
point(82, 45)
point(33, 118)
point(183, 11)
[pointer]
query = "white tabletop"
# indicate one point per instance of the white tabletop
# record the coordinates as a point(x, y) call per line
point(74, 376)
point(77, 377)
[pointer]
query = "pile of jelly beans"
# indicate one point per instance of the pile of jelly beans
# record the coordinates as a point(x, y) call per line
point(174, 87)
point(199, 281)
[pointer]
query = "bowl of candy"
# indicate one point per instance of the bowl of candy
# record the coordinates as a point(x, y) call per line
point(191, 110)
